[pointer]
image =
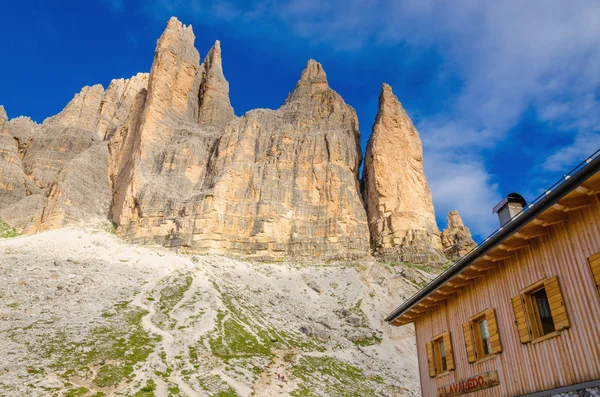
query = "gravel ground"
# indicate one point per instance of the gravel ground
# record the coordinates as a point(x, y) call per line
point(83, 313)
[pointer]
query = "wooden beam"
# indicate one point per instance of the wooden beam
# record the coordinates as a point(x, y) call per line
point(434, 299)
point(447, 290)
point(491, 258)
point(592, 184)
point(459, 283)
point(550, 220)
point(530, 232)
point(572, 204)
point(426, 303)
point(438, 297)
point(585, 190)
point(470, 274)
point(510, 246)
point(484, 266)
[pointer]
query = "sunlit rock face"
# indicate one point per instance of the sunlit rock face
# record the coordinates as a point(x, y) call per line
point(163, 157)
point(271, 184)
point(399, 204)
point(456, 238)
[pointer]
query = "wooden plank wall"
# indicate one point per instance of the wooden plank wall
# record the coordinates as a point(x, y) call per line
point(572, 357)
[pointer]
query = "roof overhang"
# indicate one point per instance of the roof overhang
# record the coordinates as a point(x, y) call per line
point(574, 191)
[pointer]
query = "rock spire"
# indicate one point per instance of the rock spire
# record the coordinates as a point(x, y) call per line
point(456, 238)
point(399, 204)
point(164, 158)
point(215, 107)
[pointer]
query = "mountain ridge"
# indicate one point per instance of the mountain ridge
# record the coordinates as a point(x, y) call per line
point(164, 157)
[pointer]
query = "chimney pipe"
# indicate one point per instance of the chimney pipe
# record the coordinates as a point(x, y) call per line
point(508, 208)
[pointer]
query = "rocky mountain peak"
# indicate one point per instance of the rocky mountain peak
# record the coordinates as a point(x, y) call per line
point(313, 80)
point(456, 238)
point(313, 74)
point(215, 106)
point(454, 220)
point(399, 203)
point(166, 159)
point(173, 83)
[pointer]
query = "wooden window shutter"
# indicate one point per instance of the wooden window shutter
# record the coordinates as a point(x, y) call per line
point(469, 345)
point(449, 352)
point(521, 319)
point(430, 360)
point(490, 316)
point(557, 306)
point(595, 266)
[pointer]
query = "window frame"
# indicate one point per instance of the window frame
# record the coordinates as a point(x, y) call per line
point(445, 339)
point(532, 312)
point(439, 361)
point(476, 336)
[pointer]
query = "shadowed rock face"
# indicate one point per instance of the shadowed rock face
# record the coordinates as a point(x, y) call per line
point(399, 205)
point(59, 169)
point(164, 157)
point(12, 182)
point(456, 238)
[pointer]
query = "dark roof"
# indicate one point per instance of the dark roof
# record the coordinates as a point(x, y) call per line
point(561, 188)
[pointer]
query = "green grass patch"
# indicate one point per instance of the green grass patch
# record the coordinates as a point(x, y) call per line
point(112, 375)
point(6, 231)
point(334, 377)
point(147, 390)
point(80, 391)
point(121, 339)
point(370, 341)
point(215, 386)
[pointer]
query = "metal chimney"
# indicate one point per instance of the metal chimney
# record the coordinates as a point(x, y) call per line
point(509, 207)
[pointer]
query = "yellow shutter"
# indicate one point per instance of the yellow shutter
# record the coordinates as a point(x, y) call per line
point(471, 353)
point(490, 316)
point(595, 266)
point(430, 360)
point(521, 319)
point(557, 306)
point(449, 352)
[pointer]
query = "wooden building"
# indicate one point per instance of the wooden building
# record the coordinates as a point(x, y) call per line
point(520, 314)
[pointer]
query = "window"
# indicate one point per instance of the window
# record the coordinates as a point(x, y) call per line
point(439, 354)
point(594, 261)
point(542, 314)
point(440, 357)
point(482, 338)
point(540, 310)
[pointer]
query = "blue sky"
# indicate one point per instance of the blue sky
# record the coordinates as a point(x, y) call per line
point(506, 95)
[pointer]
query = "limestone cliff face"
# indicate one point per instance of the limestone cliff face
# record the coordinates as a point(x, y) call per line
point(214, 105)
point(164, 157)
point(52, 167)
point(271, 184)
point(399, 204)
point(159, 159)
point(286, 181)
point(456, 238)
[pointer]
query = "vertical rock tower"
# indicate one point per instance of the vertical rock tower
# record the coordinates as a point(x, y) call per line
point(280, 183)
point(164, 157)
point(398, 200)
point(456, 238)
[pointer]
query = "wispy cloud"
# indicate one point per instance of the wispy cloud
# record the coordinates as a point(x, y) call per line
point(510, 56)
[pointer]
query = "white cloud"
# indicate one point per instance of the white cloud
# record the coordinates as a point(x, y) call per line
point(584, 145)
point(463, 184)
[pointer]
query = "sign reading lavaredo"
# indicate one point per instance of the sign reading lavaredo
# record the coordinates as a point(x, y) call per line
point(468, 385)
